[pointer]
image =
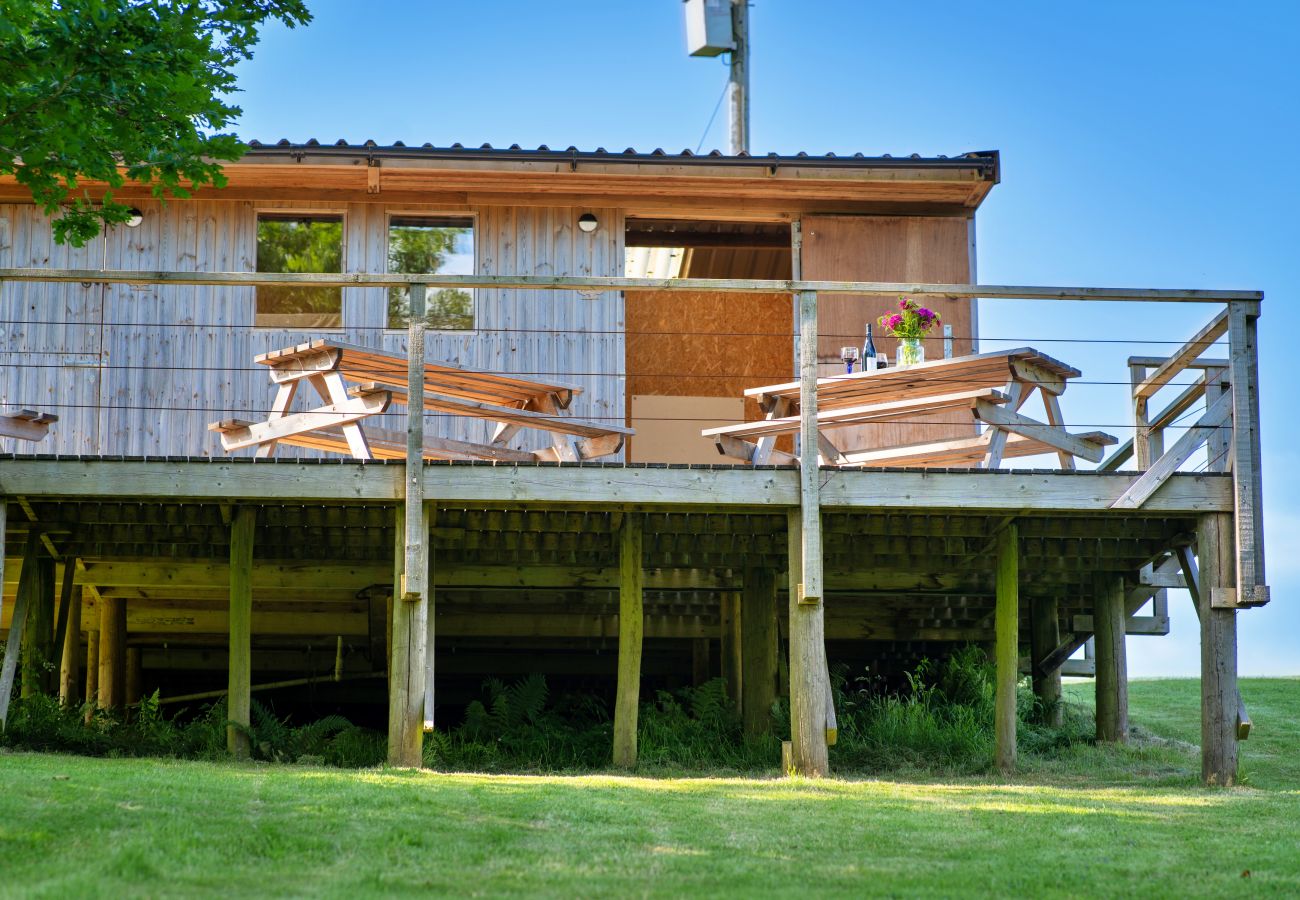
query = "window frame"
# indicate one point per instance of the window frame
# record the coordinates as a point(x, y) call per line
point(473, 217)
point(292, 212)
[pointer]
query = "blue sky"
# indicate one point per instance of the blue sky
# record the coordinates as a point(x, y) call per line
point(1149, 144)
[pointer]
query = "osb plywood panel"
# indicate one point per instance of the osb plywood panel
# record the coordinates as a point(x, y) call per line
point(707, 344)
point(889, 248)
point(668, 428)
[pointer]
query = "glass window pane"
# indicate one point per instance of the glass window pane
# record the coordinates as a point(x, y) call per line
point(434, 246)
point(294, 243)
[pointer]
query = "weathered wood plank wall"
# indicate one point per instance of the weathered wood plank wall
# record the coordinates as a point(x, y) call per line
point(142, 370)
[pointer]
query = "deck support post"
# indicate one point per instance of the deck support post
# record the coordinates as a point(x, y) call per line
point(69, 570)
point(758, 650)
point(409, 649)
point(1111, 658)
point(112, 652)
point(134, 677)
point(70, 665)
point(730, 645)
point(429, 624)
point(809, 684)
point(18, 624)
point(1007, 652)
point(1045, 636)
point(699, 661)
point(38, 639)
point(92, 672)
point(631, 626)
point(239, 697)
point(1216, 547)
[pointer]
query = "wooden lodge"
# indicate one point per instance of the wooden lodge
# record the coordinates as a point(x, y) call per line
point(585, 333)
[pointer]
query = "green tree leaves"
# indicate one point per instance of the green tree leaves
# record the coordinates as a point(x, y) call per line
point(119, 91)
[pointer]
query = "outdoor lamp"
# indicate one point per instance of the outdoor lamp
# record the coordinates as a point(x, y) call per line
point(588, 223)
point(134, 217)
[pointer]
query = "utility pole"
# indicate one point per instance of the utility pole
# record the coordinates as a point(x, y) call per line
point(738, 85)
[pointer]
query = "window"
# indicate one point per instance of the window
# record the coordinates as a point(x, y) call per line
point(432, 245)
point(299, 243)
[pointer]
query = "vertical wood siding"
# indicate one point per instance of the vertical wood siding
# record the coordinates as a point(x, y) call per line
point(170, 359)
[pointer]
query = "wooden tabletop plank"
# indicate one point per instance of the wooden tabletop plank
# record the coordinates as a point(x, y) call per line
point(523, 417)
point(370, 364)
point(938, 376)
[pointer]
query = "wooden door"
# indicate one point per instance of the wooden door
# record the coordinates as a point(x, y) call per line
point(936, 249)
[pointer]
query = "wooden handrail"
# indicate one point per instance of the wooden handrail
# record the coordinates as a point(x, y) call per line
point(919, 290)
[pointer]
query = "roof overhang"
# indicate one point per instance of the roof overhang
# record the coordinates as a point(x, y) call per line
point(657, 183)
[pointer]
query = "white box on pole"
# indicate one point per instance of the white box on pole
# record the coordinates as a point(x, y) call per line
point(708, 27)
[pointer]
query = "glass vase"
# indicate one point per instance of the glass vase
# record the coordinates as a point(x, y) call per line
point(910, 352)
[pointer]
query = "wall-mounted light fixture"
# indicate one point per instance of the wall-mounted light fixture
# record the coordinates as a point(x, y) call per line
point(588, 223)
point(134, 217)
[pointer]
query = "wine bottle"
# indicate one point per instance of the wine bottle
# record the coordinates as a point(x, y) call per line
point(870, 361)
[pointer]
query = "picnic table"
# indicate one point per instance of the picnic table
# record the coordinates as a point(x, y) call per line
point(357, 383)
point(987, 389)
point(26, 424)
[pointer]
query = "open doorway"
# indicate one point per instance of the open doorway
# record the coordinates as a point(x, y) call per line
point(691, 356)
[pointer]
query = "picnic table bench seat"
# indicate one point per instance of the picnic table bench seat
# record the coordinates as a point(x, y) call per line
point(359, 382)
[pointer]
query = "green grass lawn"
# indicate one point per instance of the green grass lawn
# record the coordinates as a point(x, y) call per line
point(1093, 822)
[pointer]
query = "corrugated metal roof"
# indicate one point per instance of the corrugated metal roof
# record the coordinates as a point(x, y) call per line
point(982, 159)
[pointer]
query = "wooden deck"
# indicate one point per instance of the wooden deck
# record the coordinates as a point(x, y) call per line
point(284, 556)
point(530, 552)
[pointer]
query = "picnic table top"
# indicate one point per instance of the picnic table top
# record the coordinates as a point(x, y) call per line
point(369, 364)
point(941, 376)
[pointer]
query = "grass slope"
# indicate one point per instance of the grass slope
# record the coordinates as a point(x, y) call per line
point(1098, 821)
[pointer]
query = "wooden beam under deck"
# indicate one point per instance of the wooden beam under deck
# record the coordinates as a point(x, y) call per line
point(602, 485)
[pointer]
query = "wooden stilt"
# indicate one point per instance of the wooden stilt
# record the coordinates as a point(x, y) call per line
point(699, 661)
point(92, 672)
point(1216, 547)
point(1111, 659)
point(70, 666)
point(112, 652)
point(68, 570)
point(239, 697)
point(730, 645)
point(631, 624)
point(1045, 636)
point(429, 627)
point(410, 631)
point(38, 639)
point(758, 650)
point(18, 624)
point(134, 676)
point(808, 687)
point(1007, 654)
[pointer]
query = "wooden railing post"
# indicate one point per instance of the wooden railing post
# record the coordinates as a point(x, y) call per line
point(810, 588)
point(415, 575)
point(410, 630)
point(1247, 469)
point(809, 680)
